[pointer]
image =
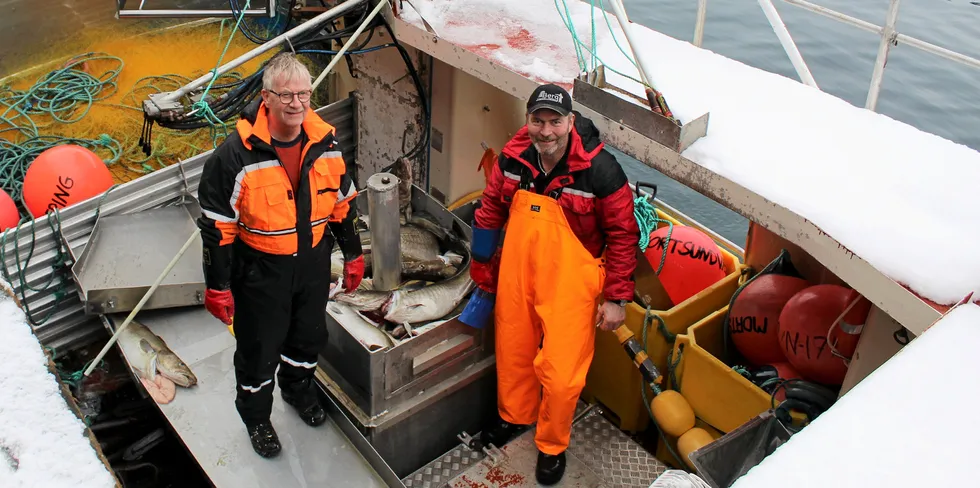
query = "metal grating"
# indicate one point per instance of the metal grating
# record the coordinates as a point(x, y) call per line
point(611, 454)
point(438, 473)
point(604, 450)
point(66, 325)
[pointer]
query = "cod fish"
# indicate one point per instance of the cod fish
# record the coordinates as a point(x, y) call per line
point(430, 303)
point(416, 243)
point(438, 269)
point(407, 305)
point(156, 365)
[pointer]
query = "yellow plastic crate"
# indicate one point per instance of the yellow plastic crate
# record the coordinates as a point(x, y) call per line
point(614, 380)
point(718, 395)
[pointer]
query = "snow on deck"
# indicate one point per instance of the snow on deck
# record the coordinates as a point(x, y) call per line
point(904, 200)
point(886, 431)
point(42, 442)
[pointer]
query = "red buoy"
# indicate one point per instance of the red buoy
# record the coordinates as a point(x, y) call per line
point(753, 320)
point(805, 325)
point(63, 175)
point(9, 215)
point(693, 261)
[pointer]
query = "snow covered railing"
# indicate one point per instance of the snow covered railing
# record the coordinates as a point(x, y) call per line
point(43, 441)
point(829, 177)
point(889, 37)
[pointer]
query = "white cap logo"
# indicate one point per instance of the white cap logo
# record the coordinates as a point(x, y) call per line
point(548, 96)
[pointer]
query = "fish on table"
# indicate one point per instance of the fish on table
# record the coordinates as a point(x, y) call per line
point(409, 306)
point(156, 365)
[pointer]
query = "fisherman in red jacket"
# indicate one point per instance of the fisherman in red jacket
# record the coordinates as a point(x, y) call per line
point(565, 267)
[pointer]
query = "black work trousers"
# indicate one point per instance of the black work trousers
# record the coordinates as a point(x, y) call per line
point(280, 321)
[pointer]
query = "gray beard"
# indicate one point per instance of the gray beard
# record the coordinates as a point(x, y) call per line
point(559, 149)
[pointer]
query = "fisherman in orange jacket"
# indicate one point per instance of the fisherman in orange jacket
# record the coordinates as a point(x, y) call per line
point(268, 195)
point(565, 267)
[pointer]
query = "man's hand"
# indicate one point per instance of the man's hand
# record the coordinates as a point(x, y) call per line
point(353, 273)
point(610, 316)
point(220, 304)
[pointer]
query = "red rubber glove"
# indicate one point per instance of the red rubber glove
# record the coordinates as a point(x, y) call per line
point(220, 304)
point(485, 274)
point(353, 273)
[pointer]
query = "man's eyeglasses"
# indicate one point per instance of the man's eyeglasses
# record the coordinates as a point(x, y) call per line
point(286, 98)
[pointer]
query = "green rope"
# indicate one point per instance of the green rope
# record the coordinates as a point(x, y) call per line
point(580, 46)
point(59, 266)
point(656, 391)
point(647, 220)
point(202, 104)
point(742, 370)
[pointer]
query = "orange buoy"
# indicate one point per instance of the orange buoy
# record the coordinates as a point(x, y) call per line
point(753, 320)
point(805, 324)
point(9, 215)
point(693, 261)
point(63, 175)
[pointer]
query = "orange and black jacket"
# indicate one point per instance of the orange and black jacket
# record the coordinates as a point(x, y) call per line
point(245, 195)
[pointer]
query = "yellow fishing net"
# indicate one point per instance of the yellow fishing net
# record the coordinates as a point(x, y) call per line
point(91, 93)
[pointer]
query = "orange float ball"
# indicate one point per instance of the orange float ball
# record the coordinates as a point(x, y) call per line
point(693, 261)
point(9, 215)
point(63, 175)
point(753, 320)
point(805, 326)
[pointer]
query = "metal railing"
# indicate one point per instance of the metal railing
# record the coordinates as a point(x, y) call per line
point(889, 38)
point(178, 12)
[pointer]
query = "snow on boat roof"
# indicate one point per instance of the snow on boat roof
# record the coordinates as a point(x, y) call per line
point(42, 442)
point(885, 431)
point(903, 199)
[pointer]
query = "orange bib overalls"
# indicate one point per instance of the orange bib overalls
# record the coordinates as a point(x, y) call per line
point(546, 300)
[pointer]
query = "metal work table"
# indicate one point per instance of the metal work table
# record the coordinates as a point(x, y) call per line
point(205, 419)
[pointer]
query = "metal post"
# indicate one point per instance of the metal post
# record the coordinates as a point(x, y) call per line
point(386, 261)
point(185, 13)
point(620, 11)
point(699, 24)
point(888, 36)
point(787, 41)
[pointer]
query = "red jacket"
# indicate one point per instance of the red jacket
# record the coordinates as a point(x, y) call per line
point(596, 198)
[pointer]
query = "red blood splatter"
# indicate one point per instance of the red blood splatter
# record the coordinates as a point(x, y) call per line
point(472, 483)
point(523, 40)
point(501, 480)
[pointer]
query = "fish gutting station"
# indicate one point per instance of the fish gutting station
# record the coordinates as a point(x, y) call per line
point(728, 351)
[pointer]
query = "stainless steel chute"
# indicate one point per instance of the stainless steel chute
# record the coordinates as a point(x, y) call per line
point(126, 254)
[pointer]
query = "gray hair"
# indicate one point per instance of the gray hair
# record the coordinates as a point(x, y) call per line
point(284, 65)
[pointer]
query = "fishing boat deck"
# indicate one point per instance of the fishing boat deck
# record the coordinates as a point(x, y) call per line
point(825, 175)
point(204, 416)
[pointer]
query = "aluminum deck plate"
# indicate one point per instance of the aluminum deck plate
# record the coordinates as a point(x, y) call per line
point(599, 455)
point(126, 254)
point(205, 419)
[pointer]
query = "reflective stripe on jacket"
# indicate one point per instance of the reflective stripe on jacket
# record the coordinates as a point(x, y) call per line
point(246, 192)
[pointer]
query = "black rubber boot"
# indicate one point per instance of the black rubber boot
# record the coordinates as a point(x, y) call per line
point(308, 407)
point(550, 468)
point(264, 439)
point(499, 432)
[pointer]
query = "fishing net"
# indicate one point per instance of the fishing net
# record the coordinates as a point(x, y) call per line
point(91, 94)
